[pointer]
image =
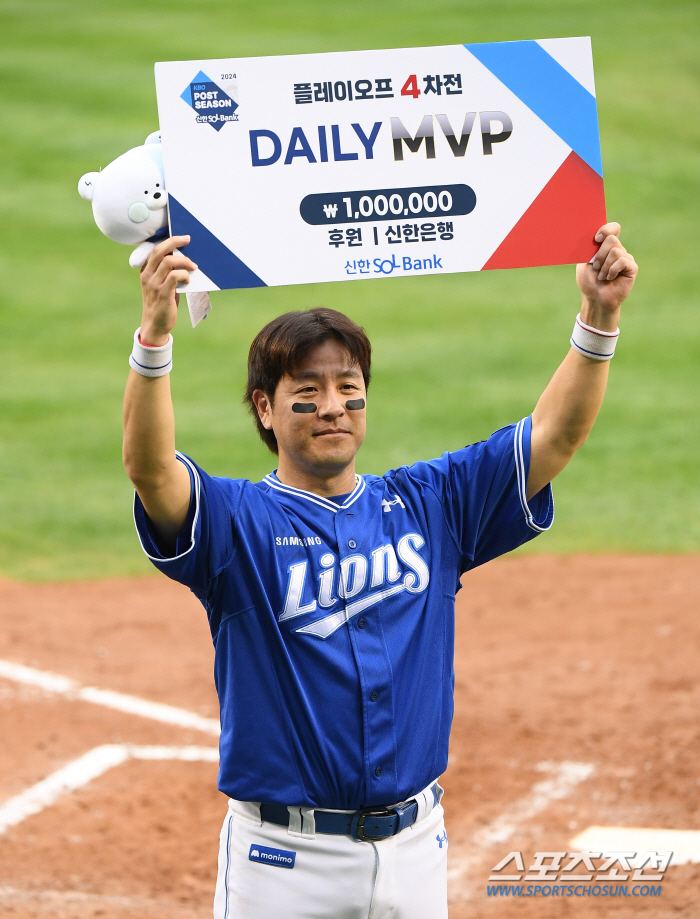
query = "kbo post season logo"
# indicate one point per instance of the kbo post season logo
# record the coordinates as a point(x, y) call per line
point(212, 104)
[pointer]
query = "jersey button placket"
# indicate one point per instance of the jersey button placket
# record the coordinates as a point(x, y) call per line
point(367, 640)
point(356, 626)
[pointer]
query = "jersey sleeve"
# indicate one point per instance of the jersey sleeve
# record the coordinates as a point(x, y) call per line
point(483, 492)
point(205, 544)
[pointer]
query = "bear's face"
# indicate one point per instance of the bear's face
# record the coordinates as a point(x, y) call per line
point(129, 200)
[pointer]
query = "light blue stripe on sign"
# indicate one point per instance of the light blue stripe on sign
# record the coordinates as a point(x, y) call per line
point(549, 90)
point(186, 94)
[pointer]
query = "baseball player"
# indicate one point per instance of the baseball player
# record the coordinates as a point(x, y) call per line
point(330, 595)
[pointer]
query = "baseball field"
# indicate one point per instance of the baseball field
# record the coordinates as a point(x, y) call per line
point(577, 657)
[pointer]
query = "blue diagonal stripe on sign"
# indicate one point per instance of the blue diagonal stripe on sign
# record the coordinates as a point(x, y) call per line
point(549, 90)
point(214, 258)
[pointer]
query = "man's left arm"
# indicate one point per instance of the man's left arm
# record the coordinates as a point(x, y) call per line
point(566, 410)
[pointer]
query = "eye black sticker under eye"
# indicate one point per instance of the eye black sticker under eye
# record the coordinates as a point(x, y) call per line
point(304, 408)
point(354, 405)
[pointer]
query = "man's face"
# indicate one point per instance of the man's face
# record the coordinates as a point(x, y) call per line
point(323, 442)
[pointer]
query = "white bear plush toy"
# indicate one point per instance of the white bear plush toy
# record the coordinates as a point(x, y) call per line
point(130, 205)
point(129, 200)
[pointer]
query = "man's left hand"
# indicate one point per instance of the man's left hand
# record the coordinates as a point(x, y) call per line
point(608, 279)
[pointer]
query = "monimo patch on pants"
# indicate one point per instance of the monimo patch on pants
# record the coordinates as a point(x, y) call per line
point(279, 857)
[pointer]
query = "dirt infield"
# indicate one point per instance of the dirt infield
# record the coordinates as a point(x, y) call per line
point(577, 700)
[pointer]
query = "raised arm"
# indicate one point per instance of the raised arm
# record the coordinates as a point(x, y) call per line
point(162, 482)
point(566, 410)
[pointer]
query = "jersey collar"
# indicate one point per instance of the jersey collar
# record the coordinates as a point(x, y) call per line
point(272, 480)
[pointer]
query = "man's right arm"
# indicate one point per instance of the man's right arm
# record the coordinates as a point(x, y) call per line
point(162, 482)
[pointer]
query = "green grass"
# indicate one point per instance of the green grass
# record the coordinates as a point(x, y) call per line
point(455, 356)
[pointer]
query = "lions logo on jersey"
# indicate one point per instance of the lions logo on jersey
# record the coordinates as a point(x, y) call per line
point(350, 579)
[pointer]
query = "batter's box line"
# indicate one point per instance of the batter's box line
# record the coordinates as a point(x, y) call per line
point(132, 705)
point(86, 768)
point(138, 906)
point(563, 778)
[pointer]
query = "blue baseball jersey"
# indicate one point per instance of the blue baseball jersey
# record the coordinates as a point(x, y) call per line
point(333, 623)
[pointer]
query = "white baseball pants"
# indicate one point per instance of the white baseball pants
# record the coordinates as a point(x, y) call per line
point(333, 877)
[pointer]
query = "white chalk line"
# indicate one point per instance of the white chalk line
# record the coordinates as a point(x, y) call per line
point(86, 768)
point(18, 895)
point(132, 705)
point(565, 776)
point(685, 844)
point(70, 896)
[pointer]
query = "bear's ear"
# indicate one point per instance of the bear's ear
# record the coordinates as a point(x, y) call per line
point(86, 186)
point(153, 138)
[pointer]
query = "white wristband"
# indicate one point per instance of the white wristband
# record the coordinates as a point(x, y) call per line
point(599, 346)
point(150, 360)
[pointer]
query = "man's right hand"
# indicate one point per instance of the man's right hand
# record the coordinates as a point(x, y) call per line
point(160, 275)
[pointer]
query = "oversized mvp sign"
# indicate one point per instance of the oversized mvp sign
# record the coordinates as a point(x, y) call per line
point(375, 164)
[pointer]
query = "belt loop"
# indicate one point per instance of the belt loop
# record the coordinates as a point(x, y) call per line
point(308, 822)
point(425, 804)
point(248, 810)
point(295, 824)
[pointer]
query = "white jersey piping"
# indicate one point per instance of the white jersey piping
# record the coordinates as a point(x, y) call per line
point(195, 477)
point(274, 482)
point(522, 479)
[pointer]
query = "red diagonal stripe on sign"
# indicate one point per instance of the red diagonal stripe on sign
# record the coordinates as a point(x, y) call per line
point(559, 226)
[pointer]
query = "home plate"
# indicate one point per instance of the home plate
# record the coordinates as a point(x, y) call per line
point(685, 844)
